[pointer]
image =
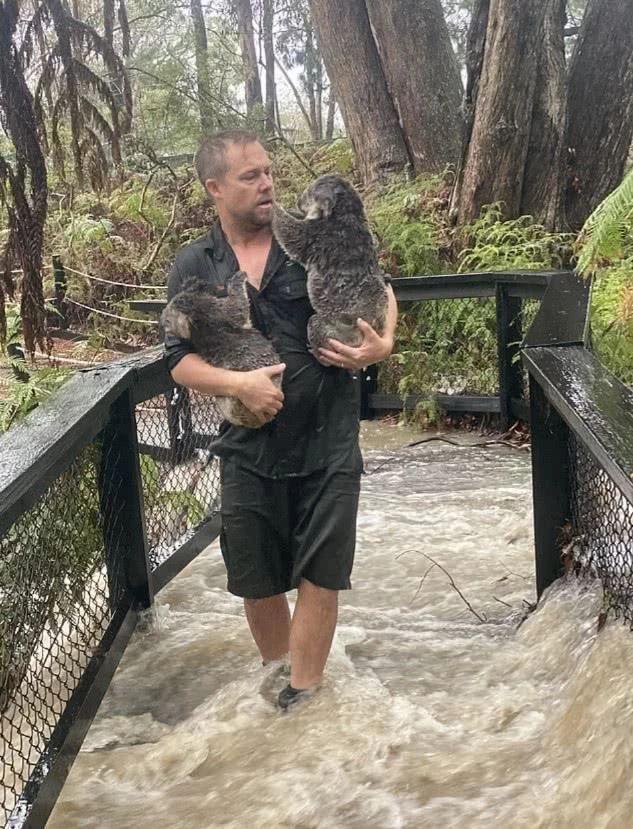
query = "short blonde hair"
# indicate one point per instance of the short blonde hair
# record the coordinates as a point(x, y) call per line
point(210, 160)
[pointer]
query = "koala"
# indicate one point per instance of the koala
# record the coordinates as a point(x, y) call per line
point(333, 242)
point(220, 330)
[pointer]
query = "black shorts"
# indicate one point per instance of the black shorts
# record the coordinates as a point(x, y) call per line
point(276, 532)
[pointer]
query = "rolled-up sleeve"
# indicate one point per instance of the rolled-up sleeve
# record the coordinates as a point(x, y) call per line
point(175, 348)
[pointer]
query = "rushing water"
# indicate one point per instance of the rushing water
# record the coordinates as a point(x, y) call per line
point(428, 716)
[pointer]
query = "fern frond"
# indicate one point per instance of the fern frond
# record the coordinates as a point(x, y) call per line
point(96, 160)
point(41, 18)
point(91, 81)
point(49, 73)
point(84, 34)
point(602, 237)
point(100, 125)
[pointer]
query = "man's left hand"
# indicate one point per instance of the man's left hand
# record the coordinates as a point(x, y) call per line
point(373, 349)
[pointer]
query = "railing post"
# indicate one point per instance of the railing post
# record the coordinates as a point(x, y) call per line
point(550, 484)
point(59, 276)
point(179, 423)
point(122, 511)
point(509, 336)
point(368, 379)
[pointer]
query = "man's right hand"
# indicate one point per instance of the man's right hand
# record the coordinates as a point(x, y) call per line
point(259, 394)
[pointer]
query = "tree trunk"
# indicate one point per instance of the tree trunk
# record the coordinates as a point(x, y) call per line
point(331, 112)
point(543, 178)
point(318, 94)
point(41, 40)
point(599, 105)
point(60, 19)
point(249, 56)
point(310, 82)
point(498, 148)
point(352, 63)
point(108, 21)
point(269, 58)
point(475, 49)
point(422, 76)
point(27, 184)
point(202, 67)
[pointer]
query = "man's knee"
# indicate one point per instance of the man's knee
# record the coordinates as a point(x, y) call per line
point(323, 593)
point(266, 601)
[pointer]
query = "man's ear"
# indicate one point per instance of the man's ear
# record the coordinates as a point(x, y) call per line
point(212, 187)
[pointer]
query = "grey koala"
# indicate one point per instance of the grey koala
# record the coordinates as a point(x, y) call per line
point(220, 330)
point(333, 242)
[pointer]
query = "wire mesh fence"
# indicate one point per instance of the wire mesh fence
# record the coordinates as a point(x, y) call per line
point(75, 563)
point(179, 473)
point(601, 536)
point(59, 586)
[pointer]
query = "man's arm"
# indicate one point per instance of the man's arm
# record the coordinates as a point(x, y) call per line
point(374, 347)
point(255, 389)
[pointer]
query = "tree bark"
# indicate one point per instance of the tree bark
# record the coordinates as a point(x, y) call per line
point(475, 49)
point(331, 112)
point(318, 92)
point(497, 152)
point(310, 81)
point(423, 78)
point(543, 174)
point(600, 106)
point(269, 59)
point(253, 88)
point(353, 65)
point(202, 67)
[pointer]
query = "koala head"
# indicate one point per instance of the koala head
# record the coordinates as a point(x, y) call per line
point(330, 196)
point(199, 308)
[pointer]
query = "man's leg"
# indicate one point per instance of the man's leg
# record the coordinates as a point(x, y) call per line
point(311, 633)
point(255, 549)
point(269, 621)
point(325, 505)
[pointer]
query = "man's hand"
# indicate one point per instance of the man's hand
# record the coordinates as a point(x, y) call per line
point(373, 349)
point(259, 394)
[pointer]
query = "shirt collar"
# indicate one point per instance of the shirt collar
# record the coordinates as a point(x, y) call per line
point(219, 247)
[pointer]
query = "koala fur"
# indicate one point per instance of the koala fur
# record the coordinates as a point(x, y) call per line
point(219, 329)
point(334, 244)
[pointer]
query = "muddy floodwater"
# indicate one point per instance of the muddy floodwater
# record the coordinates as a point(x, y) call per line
point(429, 716)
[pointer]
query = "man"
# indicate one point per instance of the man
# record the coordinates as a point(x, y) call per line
point(290, 488)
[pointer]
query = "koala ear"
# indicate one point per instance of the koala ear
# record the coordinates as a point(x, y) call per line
point(321, 208)
point(236, 284)
point(195, 285)
point(175, 322)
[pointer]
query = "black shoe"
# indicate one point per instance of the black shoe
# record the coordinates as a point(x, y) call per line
point(292, 696)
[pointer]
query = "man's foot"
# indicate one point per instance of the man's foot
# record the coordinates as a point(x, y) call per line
point(293, 696)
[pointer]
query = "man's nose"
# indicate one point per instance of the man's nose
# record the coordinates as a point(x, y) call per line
point(266, 182)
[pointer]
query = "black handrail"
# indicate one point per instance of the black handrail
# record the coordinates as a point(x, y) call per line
point(508, 288)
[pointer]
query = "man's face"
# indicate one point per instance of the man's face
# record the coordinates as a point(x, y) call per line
point(245, 192)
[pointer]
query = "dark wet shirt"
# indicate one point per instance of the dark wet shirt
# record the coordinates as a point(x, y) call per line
point(318, 425)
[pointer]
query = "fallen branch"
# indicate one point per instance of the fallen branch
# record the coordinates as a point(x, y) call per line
point(422, 580)
point(434, 563)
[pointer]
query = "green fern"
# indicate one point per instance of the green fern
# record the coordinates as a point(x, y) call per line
point(409, 226)
point(607, 233)
point(515, 244)
point(24, 396)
